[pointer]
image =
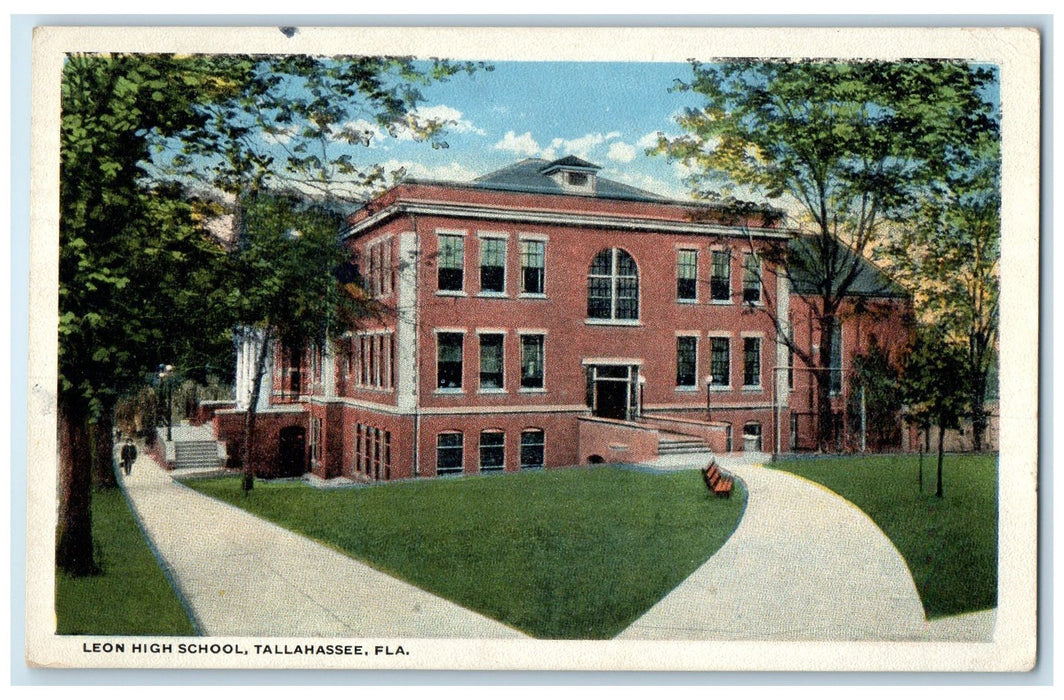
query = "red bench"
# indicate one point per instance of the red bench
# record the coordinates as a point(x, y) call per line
point(716, 483)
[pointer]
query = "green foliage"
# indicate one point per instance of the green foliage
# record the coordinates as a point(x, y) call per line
point(950, 544)
point(130, 595)
point(876, 379)
point(560, 554)
point(933, 379)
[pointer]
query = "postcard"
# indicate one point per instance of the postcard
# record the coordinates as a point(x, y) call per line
point(519, 348)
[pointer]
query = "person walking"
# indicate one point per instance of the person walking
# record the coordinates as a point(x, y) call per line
point(129, 455)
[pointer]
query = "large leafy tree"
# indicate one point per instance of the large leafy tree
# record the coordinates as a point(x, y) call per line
point(139, 279)
point(128, 248)
point(842, 147)
point(949, 255)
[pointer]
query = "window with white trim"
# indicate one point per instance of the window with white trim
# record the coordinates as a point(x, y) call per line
point(533, 260)
point(613, 286)
point(720, 361)
point(449, 453)
point(751, 362)
point(449, 360)
point(686, 361)
point(492, 450)
point(450, 263)
point(751, 279)
point(687, 275)
point(531, 361)
point(491, 360)
point(720, 277)
point(532, 445)
point(493, 265)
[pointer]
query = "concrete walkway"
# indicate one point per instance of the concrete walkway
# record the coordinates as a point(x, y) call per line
point(804, 564)
point(243, 576)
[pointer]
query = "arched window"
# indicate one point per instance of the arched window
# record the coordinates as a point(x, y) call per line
point(613, 286)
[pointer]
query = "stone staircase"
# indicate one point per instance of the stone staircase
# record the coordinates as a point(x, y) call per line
point(198, 454)
point(676, 444)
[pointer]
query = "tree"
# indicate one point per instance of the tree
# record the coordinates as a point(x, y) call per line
point(933, 385)
point(949, 255)
point(875, 402)
point(126, 248)
point(284, 266)
point(845, 145)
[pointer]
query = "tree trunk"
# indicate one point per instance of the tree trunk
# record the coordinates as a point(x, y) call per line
point(103, 449)
point(920, 469)
point(248, 482)
point(73, 550)
point(941, 433)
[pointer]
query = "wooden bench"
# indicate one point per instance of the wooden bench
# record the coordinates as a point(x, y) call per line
point(716, 483)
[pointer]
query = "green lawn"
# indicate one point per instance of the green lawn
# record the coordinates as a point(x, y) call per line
point(130, 596)
point(950, 544)
point(559, 554)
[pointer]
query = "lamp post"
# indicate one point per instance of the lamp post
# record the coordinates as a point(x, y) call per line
point(642, 383)
point(165, 373)
point(709, 387)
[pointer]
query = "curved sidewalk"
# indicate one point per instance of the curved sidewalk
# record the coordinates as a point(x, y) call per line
point(244, 576)
point(803, 564)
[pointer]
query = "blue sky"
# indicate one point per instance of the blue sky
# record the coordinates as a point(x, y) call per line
point(606, 113)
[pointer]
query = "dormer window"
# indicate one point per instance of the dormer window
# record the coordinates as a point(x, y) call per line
point(573, 175)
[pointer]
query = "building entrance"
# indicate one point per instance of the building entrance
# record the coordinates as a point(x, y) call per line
point(613, 390)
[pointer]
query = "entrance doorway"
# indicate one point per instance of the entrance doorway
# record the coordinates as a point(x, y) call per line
point(292, 451)
point(613, 390)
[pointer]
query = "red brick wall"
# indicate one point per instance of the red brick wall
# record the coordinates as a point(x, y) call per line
point(611, 441)
point(229, 427)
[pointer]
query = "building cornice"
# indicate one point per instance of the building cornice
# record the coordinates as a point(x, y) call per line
point(556, 217)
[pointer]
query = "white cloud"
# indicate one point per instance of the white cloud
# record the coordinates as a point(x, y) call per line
point(649, 183)
point(648, 140)
point(450, 117)
point(523, 145)
point(621, 152)
point(449, 171)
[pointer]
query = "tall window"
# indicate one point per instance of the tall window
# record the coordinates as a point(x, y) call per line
point(686, 275)
point(720, 361)
point(751, 279)
point(720, 279)
point(449, 360)
point(532, 267)
point(751, 362)
point(492, 450)
point(613, 286)
point(493, 265)
point(315, 440)
point(449, 453)
point(491, 364)
point(835, 376)
point(449, 264)
point(531, 449)
point(531, 361)
point(686, 352)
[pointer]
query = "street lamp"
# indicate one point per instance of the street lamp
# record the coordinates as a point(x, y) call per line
point(165, 373)
point(709, 387)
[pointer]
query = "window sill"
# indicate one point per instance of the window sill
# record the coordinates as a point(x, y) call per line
point(532, 295)
point(450, 293)
point(689, 302)
point(611, 322)
point(753, 389)
point(687, 389)
point(448, 392)
point(492, 295)
point(721, 388)
point(529, 390)
point(492, 391)
point(721, 302)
